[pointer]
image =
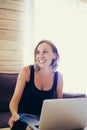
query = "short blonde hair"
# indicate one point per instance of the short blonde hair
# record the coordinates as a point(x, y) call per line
point(54, 63)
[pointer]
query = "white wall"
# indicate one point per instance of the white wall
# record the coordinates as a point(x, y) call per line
point(65, 23)
point(28, 40)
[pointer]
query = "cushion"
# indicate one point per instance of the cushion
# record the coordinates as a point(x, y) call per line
point(4, 117)
point(7, 85)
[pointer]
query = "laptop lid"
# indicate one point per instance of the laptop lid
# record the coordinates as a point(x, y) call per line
point(63, 114)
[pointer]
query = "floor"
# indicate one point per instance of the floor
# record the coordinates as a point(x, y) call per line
point(9, 129)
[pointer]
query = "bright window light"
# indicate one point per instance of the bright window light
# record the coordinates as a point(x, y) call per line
point(63, 22)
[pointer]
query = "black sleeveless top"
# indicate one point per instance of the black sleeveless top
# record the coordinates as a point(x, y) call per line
point(32, 98)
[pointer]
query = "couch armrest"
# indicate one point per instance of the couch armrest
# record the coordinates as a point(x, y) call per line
point(4, 117)
point(74, 95)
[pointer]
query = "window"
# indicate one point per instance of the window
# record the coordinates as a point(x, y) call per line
point(65, 23)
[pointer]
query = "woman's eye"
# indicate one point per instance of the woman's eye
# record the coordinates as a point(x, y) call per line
point(37, 52)
point(45, 52)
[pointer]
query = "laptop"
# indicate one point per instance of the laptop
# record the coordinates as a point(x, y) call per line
point(63, 114)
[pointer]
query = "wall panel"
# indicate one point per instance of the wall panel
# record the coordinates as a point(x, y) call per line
point(12, 14)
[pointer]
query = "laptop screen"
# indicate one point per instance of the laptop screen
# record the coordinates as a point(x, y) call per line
point(63, 114)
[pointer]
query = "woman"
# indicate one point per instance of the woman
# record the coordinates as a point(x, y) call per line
point(36, 83)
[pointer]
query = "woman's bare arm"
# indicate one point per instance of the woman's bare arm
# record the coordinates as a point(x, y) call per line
point(60, 86)
point(23, 77)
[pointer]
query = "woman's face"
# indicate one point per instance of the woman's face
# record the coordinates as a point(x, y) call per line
point(44, 55)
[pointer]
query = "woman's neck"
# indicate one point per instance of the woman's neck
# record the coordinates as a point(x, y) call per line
point(45, 72)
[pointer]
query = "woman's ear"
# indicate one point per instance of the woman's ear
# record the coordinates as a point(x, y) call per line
point(54, 57)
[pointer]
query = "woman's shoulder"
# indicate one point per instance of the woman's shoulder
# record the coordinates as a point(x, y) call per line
point(60, 78)
point(25, 72)
point(60, 74)
point(25, 69)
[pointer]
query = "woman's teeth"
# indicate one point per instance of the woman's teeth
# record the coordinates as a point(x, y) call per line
point(41, 61)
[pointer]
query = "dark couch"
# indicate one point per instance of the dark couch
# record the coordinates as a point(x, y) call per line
point(7, 85)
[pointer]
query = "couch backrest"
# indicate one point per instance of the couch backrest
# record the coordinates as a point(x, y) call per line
point(7, 85)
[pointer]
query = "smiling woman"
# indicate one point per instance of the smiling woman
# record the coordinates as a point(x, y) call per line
point(35, 83)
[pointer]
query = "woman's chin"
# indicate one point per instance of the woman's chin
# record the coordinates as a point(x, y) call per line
point(41, 65)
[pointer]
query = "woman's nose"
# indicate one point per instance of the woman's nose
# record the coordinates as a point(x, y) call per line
point(41, 55)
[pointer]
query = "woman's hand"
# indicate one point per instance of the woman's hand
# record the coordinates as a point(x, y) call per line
point(13, 119)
